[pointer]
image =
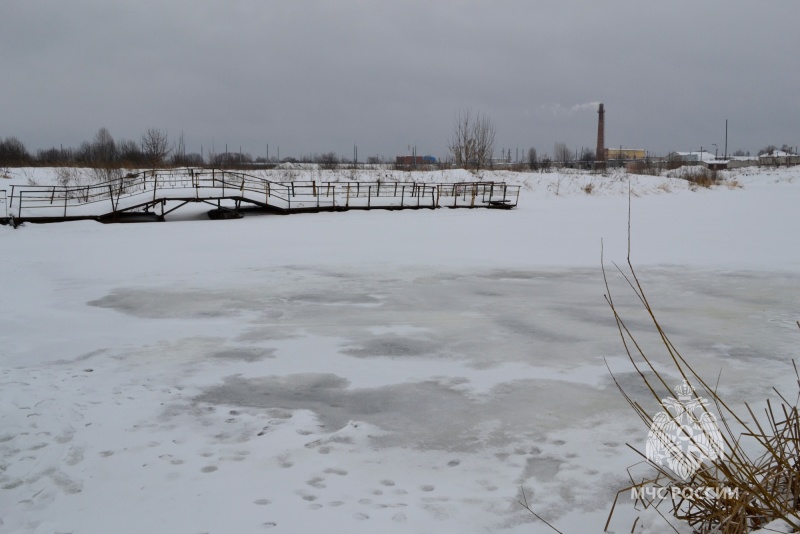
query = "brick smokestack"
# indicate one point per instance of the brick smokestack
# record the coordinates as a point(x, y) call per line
point(600, 153)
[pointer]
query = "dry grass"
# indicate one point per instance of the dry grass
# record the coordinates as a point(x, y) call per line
point(699, 176)
point(734, 184)
point(753, 489)
point(645, 167)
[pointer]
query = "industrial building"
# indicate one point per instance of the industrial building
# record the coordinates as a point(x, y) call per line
point(625, 153)
point(411, 161)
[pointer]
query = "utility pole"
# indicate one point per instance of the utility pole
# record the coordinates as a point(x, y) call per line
point(726, 139)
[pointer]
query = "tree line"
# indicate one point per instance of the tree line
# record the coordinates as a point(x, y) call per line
point(153, 149)
point(471, 145)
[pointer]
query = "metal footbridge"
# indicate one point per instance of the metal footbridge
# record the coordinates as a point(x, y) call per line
point(154, 194)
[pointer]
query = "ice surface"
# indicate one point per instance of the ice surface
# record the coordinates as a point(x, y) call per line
point(369, 372)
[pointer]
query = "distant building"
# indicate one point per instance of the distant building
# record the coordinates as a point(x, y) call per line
point(778, 157)
point(690, 157)
point(410, 161)
point(625, 153)
point(706, 159)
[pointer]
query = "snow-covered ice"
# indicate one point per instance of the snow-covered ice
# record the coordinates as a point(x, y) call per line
point(373, 371)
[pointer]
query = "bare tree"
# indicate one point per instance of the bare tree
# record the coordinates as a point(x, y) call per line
point(461, 144)
point(155, 146)
point(561, 154)
point(193, 159)
point(129, 153)
point(104, 149)
point(484, 137)
point(104, 158)
point(211, 156)
point(13, 152)
point(83, 154)
point(545, 163)
point(51, 156)
point(532, 158)
point(179, 151)
point(472, 143)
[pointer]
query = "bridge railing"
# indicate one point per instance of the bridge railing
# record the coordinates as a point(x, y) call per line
point(145, 189)
point(139, 189)
point(55, 201)
point(475, 194)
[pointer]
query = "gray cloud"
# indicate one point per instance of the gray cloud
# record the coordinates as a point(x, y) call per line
point(316, 76)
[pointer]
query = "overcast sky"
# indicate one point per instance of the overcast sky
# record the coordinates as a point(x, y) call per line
point(318, 76)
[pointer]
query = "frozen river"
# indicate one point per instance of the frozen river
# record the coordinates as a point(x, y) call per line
point(415, 399)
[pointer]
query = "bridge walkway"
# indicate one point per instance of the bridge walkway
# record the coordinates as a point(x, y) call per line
point(157, 193)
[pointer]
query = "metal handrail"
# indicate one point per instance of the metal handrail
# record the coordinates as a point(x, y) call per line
point(195, 183)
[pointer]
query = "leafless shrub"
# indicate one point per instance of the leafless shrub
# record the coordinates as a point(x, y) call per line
point(732, 494)
point(647, 167)
point(104, 174)
point(66, 176)
point(734, 184)
point(328, 161)
point(697, 176)
point(545, 164)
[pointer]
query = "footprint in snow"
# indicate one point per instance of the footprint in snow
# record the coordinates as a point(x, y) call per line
point(316, 482)
point(334, 471)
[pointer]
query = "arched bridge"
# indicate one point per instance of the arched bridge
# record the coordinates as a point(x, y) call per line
point(154, 194)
